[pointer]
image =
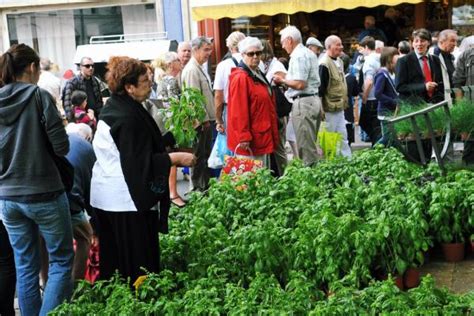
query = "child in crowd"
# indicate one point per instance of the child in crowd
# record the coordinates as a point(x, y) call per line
point(79, 104)
point(385, 91)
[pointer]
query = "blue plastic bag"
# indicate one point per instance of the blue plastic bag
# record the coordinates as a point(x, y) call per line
point(219, 150)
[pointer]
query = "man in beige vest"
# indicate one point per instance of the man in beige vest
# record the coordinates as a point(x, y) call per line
point(333, 91)
point(302, 81)
point(193, 75)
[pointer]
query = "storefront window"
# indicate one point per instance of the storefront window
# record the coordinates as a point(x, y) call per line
point(463, 18)
point(55, 34)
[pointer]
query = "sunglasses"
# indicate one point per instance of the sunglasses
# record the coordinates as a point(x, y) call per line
point(252, 54)
point(88, 66)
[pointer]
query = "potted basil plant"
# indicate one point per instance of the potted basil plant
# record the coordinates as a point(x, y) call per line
point(184, 115)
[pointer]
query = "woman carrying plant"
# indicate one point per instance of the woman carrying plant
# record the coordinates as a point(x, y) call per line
point(385, 92)
point(252, 120)
point(32, 196)
point(167, 86)
point(129, 186)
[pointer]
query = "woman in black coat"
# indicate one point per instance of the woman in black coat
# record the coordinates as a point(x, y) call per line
point(129, 187)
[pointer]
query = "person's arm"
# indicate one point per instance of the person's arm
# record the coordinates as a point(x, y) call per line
point(459, 76)
point(219, 103)
point(379, 88)
point(324, 78)
point(240, 111)
point(66, 97)
point(53, 124)
point(300, 74)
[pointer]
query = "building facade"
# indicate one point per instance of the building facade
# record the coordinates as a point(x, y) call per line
point(55, 28)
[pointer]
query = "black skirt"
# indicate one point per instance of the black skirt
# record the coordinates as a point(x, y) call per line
point(128, 242)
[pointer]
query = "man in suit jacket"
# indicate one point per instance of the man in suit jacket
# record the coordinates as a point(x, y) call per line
point(418, 75)
point(195, 76)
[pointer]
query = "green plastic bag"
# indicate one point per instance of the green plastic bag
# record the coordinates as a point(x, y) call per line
point(330, 142)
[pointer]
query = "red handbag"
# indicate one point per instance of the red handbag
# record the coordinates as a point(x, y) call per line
point(240, 165)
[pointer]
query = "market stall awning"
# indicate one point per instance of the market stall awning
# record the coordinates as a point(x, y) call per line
point(217, 9)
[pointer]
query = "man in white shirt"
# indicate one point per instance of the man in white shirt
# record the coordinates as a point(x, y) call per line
point(303, 83)
point(368, 117)
point(221, 82)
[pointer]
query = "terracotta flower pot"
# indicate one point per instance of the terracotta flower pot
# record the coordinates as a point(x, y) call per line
point(453, 252)
point(399, 282)
point(411, 278)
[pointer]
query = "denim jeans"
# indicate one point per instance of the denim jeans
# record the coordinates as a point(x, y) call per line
point(24, 222)
point(7, 274)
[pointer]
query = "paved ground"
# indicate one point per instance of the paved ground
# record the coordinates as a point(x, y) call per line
point(458, 277)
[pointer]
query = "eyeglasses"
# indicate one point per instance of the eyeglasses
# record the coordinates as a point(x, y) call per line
point(252, 54)
point(88, 66)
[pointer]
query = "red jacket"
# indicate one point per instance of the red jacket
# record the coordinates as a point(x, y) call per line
point(251, 114)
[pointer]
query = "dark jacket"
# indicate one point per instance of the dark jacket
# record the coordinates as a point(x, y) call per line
point(385, 92)
point(410, 81)
point(26, 166)
point(82, 158)
point(78, 83)
point(143, 157)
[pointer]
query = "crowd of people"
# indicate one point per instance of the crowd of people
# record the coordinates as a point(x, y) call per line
point(124, 160)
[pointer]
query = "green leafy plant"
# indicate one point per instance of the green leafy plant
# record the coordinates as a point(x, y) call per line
point(462, 117)
point(184, 115)
point(451, 211)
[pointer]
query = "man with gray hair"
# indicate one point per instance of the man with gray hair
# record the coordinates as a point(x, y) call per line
point(447, 40)
point(221, 80)
point(193, 75)
point(333, 91)
point(303, 82)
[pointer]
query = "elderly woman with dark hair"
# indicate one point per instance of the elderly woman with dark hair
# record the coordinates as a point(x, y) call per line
point(252, 120)
point(129, 187)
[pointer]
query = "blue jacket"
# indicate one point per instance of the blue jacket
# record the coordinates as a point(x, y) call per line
point(385, 92)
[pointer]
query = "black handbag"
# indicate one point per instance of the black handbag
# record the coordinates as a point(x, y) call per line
point(283, 106)
point(65, 169)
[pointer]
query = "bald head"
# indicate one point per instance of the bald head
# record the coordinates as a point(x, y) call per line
point(184, 52)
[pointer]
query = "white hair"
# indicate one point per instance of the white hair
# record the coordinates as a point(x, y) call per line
point(81, 129)
point(233, 39)
point(330, 40)
point(444, 34)
point(466, 43)
point(291, 31)
point(248, 42)
point(379, 44)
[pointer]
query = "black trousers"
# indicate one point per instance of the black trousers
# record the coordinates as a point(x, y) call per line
point(369, 122)
point(128, 241)
point(7, 274)
point(468, 153)
point(200, 173)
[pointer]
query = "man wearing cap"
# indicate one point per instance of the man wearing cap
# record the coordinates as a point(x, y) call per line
point(303, 82)
point(315, 46)
point(193, 75)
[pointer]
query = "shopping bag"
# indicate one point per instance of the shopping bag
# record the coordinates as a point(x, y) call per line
point(330, 142)
point(235, 166)
point(219, 150)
